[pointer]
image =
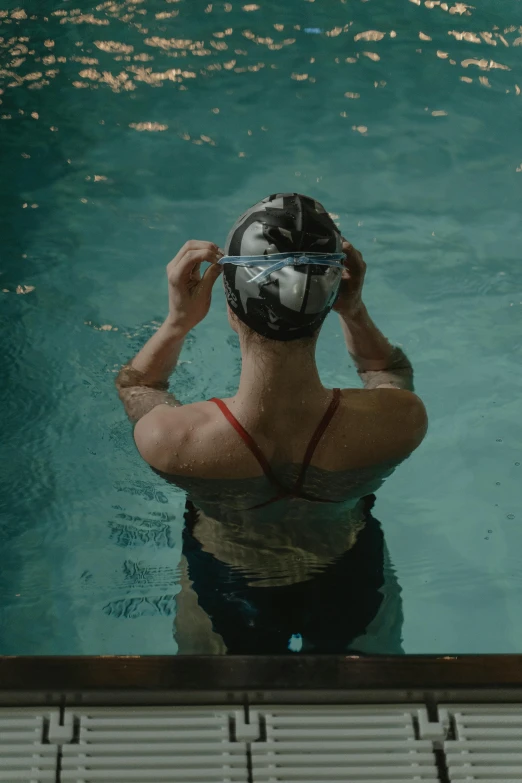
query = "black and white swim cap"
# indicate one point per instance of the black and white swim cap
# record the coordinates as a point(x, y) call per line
point(293, 301)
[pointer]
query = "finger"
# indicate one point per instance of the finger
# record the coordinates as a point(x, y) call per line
point(187, 261)
point(195, 244)
point(191, 246)
point(209, 278)
point(354, 261)
point(350, 250)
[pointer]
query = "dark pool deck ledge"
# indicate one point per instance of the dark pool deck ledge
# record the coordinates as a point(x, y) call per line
point(423, 719)
point(258, 679)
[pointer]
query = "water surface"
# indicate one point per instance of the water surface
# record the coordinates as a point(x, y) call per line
point(128, 128)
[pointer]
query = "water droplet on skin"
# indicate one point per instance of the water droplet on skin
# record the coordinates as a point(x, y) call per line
point(511, 516)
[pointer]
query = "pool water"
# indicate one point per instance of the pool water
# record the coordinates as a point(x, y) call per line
point(128, 128)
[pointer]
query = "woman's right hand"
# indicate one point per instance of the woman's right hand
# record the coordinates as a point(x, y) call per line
point(189, 292)
point(349, 300)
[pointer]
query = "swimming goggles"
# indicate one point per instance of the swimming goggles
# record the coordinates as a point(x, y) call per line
point(276, 261)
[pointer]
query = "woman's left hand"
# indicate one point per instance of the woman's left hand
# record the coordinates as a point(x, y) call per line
point(349, 301)
point(189, 292)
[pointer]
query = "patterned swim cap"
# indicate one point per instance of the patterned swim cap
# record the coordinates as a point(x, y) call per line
point(293, 301)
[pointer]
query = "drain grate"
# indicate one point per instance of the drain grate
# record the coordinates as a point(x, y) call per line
point(24, 754)
point(147, 745)
point(487, 745)
point(299, 744)
point(374, 744)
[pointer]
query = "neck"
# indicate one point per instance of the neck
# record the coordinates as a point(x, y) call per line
point(276, 374)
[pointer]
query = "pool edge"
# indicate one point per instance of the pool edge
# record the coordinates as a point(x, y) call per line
point(258, 679)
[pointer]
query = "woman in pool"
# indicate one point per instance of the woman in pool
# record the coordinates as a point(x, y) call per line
point(279, 544)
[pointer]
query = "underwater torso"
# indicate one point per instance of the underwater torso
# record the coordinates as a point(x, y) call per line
point(286, 541)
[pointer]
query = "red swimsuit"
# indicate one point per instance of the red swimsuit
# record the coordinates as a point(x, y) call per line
point(283, 492)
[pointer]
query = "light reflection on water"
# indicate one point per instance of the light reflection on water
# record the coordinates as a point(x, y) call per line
point(130, 127)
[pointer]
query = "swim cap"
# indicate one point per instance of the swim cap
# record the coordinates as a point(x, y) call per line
point(293, 301)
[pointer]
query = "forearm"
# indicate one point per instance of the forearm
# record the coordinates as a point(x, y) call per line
point(159, 356)
point(378, 362)
point(143, 382)
point(367, 346)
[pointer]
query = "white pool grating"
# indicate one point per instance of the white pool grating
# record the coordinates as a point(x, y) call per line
point(120, 745)
point(488, 744)
point(345, 743)
point(359, 744)
point(25, 753)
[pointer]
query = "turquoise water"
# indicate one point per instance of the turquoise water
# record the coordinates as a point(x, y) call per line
point(128, 128)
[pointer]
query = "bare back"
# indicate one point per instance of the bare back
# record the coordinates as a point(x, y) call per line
point(195, 448)
point(370, 431)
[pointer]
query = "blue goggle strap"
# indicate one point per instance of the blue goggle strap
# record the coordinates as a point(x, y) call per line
point(277, 261)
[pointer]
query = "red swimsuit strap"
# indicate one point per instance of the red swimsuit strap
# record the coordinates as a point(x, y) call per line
point(249, 441)
point(316, 437)
point(258, 454)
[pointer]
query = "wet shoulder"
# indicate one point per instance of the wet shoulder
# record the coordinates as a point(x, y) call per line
point(381, 425)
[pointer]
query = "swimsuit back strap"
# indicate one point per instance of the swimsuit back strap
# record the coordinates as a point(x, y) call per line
point(316, 437)
point(249, 441)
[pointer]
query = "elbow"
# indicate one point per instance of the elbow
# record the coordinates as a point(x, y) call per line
point(124, 382)
point(418, 417)
point(119, 389)
point(119, 381)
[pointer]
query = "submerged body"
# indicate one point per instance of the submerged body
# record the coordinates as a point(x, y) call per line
point(268, 571)
point(269, 588)
point(290, 539)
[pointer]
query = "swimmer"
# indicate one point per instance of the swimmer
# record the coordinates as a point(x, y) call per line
point(279, 541)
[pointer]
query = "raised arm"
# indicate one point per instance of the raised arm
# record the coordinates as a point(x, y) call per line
point(379, 364)
point(143, 382)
